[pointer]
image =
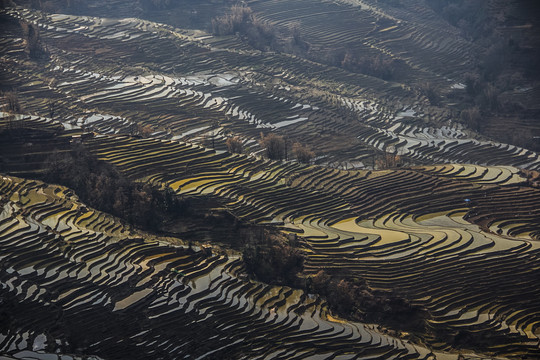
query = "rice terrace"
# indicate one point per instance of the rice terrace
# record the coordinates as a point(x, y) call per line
point(270, 179)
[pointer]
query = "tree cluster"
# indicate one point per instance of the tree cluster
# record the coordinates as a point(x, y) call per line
point(295, 43)
point(354, 299)
point(144, 130)
point(507, 56)
point(52, 6)
point(101, 186)
point(470, 16)
point(378, 66)
point(241, 19)
point(261, 34)
point(273, 260)
point(484, 94)
point(156, 4)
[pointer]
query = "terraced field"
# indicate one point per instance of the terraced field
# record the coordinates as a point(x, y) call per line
point(409, 32)
point(188, 85)
point(68, 267)
point(360, 223)
point(455, 233)
point(466, 233)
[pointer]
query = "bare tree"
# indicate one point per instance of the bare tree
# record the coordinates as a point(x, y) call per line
point(430, 91)
point(472, 117)
point(234, 144)
point(144, 130)
point(33, 45)
point(389, 158)
point(12, 102)
point(274, 145)
point(51, 107)
point(302, 153)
